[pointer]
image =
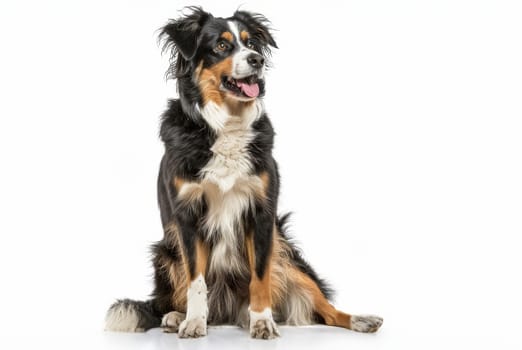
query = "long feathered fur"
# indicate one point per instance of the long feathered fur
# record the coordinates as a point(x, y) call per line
point(247, 241)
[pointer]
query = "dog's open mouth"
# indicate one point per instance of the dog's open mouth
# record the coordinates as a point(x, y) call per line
point(244, 87)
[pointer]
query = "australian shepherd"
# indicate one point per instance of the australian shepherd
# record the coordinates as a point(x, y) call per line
point(225, 257)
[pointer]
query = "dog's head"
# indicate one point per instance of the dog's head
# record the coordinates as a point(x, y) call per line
point(225, 58)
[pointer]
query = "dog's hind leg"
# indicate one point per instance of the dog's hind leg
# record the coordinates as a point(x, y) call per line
point(330, 315)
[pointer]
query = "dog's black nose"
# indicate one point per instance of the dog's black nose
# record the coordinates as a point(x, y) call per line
point(255, 60)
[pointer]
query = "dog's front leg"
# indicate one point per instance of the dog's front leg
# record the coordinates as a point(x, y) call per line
point(259, 248)
point(195, 256)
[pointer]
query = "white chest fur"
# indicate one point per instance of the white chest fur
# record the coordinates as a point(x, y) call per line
point(230, 160)
point(229, 187)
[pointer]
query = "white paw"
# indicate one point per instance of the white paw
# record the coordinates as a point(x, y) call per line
point(366, 323)
point(262, 325)
point(171, 321)
point(193, 328)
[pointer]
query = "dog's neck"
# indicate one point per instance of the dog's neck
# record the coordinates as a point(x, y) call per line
point(217, 116)
point(238, 108)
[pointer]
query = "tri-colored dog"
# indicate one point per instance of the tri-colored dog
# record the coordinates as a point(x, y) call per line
point(225, 256)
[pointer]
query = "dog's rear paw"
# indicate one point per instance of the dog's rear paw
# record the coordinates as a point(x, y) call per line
point(262, 325)
point(366, 323)
point(171, 321)
point(193, 328)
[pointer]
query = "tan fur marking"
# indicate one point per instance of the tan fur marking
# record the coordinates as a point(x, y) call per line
point(331, 316)
point(237, 107)
point(172, 232)
point(178, 182)
point(278, 271)
point(250, 251)
point(178, 281)
point(199, 68)
point(244, 35)
point(177, 272)
point(209, 80)
point(188, 191)
point(265, 182)
point(201, 259)
point(260, 288)
point(227, 36)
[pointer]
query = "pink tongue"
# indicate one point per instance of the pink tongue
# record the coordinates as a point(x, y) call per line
point(249, 90)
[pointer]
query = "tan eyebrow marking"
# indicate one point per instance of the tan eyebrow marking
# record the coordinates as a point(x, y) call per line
point(227, 36)
point(244, 35)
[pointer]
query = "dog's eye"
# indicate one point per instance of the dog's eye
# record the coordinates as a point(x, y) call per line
point(250, 44)
point(221, 46)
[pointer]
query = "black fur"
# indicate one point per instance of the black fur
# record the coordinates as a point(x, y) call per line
point(188, 140)
point(162, 294)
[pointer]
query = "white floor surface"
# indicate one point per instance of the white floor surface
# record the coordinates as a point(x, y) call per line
point(231, 338)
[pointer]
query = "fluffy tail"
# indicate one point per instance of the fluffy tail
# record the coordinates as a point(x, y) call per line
point(297, 258)
point(132, 316)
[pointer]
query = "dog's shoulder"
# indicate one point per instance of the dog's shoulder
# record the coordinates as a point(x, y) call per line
point(187, 141)
point(260, 147)
point(176, 124)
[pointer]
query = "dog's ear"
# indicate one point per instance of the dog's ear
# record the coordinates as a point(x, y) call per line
point(259, 24)
point(182, 34)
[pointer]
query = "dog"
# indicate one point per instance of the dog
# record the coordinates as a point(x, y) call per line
point(226, 257)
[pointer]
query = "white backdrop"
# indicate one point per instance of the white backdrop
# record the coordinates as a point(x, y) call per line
point(398, 138)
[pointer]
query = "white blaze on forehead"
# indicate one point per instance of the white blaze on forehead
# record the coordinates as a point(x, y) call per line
point(235, 30)
point(240, 66)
